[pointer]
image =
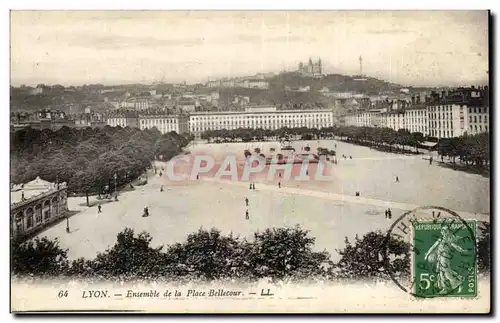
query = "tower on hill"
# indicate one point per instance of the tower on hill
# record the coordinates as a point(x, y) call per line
point(360, 77)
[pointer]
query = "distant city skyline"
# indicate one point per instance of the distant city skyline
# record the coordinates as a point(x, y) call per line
point(412, 48)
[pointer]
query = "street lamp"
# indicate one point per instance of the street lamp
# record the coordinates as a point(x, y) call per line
point(116, 196)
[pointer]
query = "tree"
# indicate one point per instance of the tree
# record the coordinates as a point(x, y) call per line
point(131, 257)
point(286, 253)
point(365, 257)
point(38, 257)
point(484, 248)
point(208, 255)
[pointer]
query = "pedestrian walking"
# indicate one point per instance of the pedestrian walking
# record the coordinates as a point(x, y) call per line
point(397, 179)
point(161, 188)
point(246, 215)
point(246, 201)
point(250, 186)
point(386, 214)
point(389, 213)
point(279, 184)
point(99, 209)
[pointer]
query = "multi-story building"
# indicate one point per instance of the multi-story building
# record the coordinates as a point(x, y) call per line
point(259, 117)
point(36, 204)
point(478, 119)
point(370, 118)
point(123, 119)
point(458, 112)
point(446, 115)
point(416, 119)
point(164, 123)
point(187, 105)
point(395, 120)
point(127, 104)
point(141, 104)
point(447, 120)
point(117, 120)
point(255, 84)
point(358, 119)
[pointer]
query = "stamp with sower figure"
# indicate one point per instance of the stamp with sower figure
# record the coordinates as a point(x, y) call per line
point(442, 253)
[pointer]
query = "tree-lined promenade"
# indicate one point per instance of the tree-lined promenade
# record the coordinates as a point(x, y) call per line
point(471, 150)
point(88, 159)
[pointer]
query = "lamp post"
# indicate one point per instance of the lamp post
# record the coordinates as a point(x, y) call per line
point(116, 196)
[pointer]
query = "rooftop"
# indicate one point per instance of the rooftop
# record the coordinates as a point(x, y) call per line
point(31, 189)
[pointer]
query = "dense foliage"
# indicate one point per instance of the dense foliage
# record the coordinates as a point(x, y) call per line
point(484, 247)
point(374, 255)
point(278, 254)
point(471, 150)
point(88, 159)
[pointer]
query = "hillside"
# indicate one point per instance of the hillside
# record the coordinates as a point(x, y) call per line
point(334, 82)
point(276, 94)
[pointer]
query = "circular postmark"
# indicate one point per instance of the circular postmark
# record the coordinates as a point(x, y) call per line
point(431, 252)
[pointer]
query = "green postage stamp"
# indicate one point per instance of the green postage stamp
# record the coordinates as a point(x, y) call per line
point(444, 263)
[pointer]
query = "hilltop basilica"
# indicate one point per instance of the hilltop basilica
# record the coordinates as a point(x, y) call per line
point(311, 69)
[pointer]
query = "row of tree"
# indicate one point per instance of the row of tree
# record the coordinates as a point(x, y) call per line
point(470, 149)
point(368, 136)
point(88, 159)
point(280, 254)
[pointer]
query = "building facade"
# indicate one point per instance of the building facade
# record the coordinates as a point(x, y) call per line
point(358, 119)
point(442, 115)
point(123, 119)
point(259, 117)
point(447, 120)
point(416, 120)
point(36, 204)
point(478, 119)
point(164, 123)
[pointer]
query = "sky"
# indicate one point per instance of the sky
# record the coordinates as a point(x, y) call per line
point(417, 48)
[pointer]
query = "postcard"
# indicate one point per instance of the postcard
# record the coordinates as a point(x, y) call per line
point(250, 162)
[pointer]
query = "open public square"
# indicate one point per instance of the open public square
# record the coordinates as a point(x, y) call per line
point(329, 209)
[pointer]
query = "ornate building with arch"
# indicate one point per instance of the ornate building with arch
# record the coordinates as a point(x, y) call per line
point(36, 204)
